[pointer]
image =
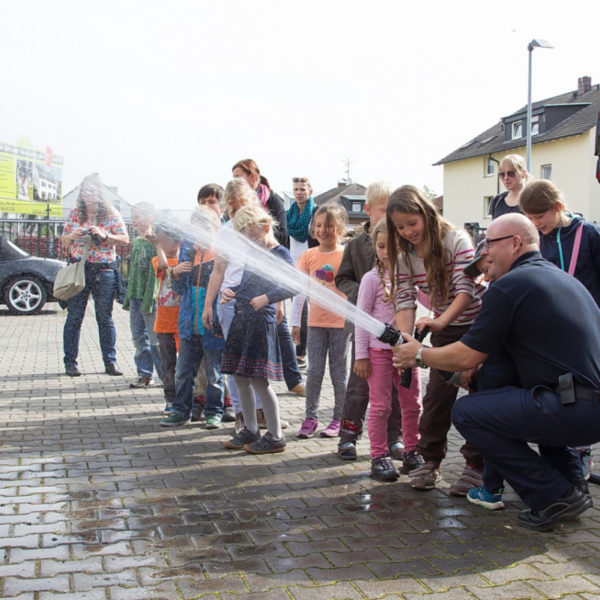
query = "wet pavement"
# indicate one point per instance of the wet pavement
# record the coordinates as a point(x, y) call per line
point(99, 502)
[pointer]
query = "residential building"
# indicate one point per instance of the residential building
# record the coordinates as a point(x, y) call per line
point(351, 196)
point(563, 146)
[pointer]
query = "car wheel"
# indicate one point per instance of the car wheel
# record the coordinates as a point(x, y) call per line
point(25, 295)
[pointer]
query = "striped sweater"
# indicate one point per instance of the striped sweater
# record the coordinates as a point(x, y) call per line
point(459, 252)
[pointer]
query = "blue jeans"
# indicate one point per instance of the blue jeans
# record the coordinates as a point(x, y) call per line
point(147, 354)
point(188, 362)
point(291, 372)
point(225, 313)
point(101, 284)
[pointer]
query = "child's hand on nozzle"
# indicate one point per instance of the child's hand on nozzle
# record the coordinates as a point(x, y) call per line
point(296, 335)
point(227, 295)
point(259, 302)
point(362, 368)
point(433, 324)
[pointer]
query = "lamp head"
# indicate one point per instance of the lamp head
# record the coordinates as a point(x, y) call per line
point(536, 43)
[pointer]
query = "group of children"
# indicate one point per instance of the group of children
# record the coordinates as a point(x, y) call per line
point(214, 306)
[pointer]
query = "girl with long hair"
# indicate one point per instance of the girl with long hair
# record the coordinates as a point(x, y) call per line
point(430, 256)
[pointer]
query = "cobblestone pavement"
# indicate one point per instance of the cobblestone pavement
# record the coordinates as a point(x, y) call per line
point(98, 502)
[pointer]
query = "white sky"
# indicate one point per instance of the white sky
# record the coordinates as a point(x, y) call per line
point(161, 97)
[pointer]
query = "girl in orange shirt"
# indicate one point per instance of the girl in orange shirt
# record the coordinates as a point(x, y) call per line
point(327, 332)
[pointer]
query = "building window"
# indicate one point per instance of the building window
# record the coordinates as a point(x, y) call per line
point(517, 130)
point(546, 171)
point(535, 125)
point(357, 207)
point(490, 166)
point(487, 207)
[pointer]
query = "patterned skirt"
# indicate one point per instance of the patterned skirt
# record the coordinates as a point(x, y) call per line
point(252, 347)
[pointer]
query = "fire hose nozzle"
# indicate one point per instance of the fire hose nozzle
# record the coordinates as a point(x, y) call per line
point(391, 336)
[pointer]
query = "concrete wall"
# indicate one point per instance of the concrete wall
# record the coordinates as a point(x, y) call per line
point(573, 170)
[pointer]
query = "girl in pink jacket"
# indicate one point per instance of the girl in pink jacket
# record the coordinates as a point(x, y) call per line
point(374, 363)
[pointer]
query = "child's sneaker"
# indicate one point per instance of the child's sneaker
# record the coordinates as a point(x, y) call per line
point(411, 461)
point(266, 445)
point(213, 421)
point(397, 450)
point(308, 428)
point(481, 497)
point(168, 408)
point(471, 477)
point(240, 439)
point(141, 382)
point(229, 415)
point(347, 451)
point(383, 469)
point(174, 420)
point(332, 430)
point(426, 476)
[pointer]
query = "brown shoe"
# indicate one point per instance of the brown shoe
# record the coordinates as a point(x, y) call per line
point(426, 476)
point(470, 478)
point(262, 421)
point(260, 418)
point(299, 390)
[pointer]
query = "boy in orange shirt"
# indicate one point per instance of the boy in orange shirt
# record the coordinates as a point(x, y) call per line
point(167, 256)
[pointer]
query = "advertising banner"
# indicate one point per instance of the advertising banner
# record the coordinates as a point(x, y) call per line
point(30, 181)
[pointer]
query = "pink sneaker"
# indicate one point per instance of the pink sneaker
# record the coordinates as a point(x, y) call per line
point(309, 426)
point(332, 430)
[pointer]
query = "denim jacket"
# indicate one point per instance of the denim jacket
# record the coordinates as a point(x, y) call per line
point(192, 289)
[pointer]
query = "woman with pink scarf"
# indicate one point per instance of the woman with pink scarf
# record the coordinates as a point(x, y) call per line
point(248, 170)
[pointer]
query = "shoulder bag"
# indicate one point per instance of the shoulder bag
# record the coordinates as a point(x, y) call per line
point(70, 280)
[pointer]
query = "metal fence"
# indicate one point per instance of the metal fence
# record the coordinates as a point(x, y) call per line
point(475, 231)
point(41, 237)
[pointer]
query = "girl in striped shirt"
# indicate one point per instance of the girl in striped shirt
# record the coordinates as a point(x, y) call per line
point(431, 255)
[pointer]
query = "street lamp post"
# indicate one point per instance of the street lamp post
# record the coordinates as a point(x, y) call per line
point(532, 44)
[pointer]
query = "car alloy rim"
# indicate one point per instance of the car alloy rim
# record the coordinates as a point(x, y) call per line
point(25, 295)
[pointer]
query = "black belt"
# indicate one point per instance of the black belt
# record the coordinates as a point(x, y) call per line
point(586, 393)
point(569, 391)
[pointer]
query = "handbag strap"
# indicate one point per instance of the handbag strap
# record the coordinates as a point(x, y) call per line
point(575, 252)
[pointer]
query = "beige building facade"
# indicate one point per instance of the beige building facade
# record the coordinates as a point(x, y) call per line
point(563, 150)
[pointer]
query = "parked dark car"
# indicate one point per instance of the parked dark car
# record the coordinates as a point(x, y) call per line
point(26, 282)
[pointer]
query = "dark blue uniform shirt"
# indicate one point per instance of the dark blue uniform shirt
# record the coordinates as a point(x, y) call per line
point(546, 320)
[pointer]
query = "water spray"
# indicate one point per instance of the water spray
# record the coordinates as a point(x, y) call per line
point(235, 246)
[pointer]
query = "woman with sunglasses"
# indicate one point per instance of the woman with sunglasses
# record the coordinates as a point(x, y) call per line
point(515, 177)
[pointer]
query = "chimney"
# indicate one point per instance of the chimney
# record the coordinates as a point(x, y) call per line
point(584, 84)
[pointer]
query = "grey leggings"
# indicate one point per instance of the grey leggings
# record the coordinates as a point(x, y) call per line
point(321, 342)
point(247, 388)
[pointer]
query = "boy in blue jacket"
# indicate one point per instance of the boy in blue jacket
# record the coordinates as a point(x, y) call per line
point(191, 277)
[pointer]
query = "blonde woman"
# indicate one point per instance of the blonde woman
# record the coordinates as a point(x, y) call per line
point(515, 177)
